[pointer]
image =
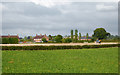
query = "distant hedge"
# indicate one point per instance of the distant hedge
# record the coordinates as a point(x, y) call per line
point(55, 47)
point(110, 40)
point(9, 40)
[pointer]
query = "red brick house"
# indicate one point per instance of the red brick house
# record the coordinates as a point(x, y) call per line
point(38, 38)
point(85, 38)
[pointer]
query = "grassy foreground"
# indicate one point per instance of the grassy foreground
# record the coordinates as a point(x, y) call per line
point(0, 61)
point(102, 60)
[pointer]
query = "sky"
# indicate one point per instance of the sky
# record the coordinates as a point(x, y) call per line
point(53, 18)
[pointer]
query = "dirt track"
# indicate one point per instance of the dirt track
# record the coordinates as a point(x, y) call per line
point(51, 44)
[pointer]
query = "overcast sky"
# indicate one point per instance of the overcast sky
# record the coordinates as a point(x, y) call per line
point(30, 18)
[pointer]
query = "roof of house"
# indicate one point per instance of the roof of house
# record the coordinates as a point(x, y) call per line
point(86, 37)
point(9, 36)
point(39, 37)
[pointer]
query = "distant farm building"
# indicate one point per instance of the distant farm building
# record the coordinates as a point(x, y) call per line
point(38, 38)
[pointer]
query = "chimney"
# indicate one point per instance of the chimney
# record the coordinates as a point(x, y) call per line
point(17, 36)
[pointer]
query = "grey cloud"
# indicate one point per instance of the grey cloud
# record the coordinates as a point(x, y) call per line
point(29, 9)
point(33, 19)
point(107, 7)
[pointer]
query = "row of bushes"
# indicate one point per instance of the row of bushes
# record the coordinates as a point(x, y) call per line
point(55, 47)
point(65, 41)
point(68, 40)
point(9, 40)
point(82, 41)
point(110, 40)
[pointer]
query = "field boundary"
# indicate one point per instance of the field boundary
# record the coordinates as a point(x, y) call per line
point(57, 44)
point(52, 47)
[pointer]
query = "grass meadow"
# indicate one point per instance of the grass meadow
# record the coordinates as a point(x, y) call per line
point(102, 60)
point(0, 61)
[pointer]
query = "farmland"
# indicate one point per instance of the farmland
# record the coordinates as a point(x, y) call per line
point(102, 60)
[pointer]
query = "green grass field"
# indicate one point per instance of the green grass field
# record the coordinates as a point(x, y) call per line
point(0, 60)
point(102, 60)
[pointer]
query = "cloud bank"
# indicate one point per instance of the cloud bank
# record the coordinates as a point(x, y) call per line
point(30, 18)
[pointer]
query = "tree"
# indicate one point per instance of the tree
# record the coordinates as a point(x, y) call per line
point(25, 38)
point(29, 38)
point(44, 40)
point(22, 40)
point(108, 34)
point(53, 38)
point(67, 40)
point(79, 36)
point(100, 33)
point(63, 40)
point(13, 40)
point(113, 37)
point(50, 37)
point(58, 38)
point(72, 34)
point(76, 35)
point(5, 40)
point(87, 35)
point(0, 40)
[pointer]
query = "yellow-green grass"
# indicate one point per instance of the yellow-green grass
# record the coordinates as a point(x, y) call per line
point(102, 60)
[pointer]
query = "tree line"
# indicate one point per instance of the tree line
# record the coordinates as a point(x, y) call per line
point(75, 37)
point(99, 34)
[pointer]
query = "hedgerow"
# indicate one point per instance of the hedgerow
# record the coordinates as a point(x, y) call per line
point(56, 47)
point(9, 40)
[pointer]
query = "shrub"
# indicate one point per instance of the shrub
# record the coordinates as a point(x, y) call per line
point(58, 38)
point(13, 40)
point(44, 40)
point(104, 40)
point(0, 40)
point(82, 41)
point(50, 42)
point(5, 40)
point(9, 40)
point(67, 40)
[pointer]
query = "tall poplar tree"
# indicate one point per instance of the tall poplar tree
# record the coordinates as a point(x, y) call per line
point(79, 36)
point(72, 34)
point(87, 36)
point(76, 35)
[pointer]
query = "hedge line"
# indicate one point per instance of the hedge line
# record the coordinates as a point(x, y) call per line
point(9, 40)
point(56, 47)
